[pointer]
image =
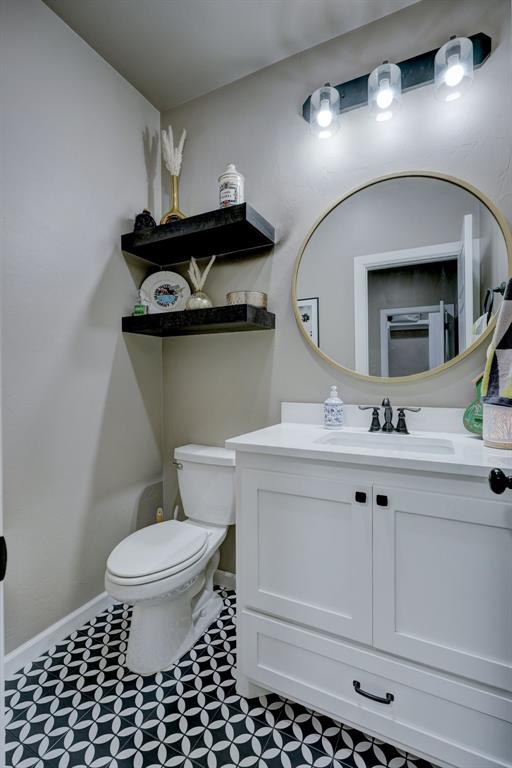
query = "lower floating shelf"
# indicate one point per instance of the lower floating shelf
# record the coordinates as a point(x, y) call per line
point(236, 317)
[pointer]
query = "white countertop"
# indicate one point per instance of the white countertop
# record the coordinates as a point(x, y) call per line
point(461, 454)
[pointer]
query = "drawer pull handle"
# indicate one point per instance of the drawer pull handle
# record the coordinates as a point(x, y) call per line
point(382, 501)
point(361, 497)
point(387, 699)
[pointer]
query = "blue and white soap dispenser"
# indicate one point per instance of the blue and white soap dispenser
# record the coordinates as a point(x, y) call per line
point(333, 410)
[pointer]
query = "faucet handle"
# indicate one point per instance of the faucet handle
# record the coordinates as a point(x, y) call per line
point(375, 425)
point(386, 402)
point(401, 426)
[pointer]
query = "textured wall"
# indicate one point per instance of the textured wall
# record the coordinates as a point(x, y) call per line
point(81, 404)
point(217, 386)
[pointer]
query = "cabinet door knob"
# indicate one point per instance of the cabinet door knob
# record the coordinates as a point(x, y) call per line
point(361, 497)
point(498, 481)
point(382, 501)
point(387, 699)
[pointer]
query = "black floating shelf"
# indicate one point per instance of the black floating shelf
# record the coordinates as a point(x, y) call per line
point(238, 229)
point(237, 317)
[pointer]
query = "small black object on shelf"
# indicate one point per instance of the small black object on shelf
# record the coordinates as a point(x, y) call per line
point(228, 319)
point(238, 229)
point(144, 220)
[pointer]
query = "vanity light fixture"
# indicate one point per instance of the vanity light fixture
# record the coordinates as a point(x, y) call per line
point(384, 91)
point(450, 68)
point(453, 68)
point(324, 112)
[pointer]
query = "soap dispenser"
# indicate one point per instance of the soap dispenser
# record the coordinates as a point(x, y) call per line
point(333, 410)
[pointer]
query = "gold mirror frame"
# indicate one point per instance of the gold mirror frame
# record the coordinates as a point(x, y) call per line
point(507, 234)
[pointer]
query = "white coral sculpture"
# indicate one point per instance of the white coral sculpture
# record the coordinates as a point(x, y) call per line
point(172, 155)
point(196, 278)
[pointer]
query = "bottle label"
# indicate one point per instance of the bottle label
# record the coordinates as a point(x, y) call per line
point(229, 194)
point(333, 415)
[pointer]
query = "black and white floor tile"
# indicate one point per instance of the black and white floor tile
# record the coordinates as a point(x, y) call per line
point(78, 706)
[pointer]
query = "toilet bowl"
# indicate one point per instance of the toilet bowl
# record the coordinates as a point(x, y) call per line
point(165, 571)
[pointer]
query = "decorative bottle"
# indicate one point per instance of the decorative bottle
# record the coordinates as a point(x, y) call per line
point(231, 187)
point(333, 410)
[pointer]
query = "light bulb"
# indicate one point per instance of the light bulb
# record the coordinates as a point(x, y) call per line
point(324, 110)
point(455, 71)
point(384, 96)
point(324, 116)
point(453, 68)
point(384, 91)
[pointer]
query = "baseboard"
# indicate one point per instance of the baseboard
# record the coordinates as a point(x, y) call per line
point(41, 643)
point(225, 579)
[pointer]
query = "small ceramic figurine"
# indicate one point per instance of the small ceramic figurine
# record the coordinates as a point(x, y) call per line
point(144, 220)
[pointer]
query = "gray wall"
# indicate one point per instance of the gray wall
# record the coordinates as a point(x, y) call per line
point(81, 404)
point(217, 386)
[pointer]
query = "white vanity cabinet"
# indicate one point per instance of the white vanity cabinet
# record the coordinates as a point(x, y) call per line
point(382, 598)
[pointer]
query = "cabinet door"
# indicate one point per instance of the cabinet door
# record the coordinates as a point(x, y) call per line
point(443, 582)
point(304, 548)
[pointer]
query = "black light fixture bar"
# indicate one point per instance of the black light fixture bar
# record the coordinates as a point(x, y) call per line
point(417, 71)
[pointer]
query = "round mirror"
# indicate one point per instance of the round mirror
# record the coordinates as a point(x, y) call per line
point(403, 276)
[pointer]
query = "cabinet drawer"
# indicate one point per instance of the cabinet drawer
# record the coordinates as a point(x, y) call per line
point(447, 721)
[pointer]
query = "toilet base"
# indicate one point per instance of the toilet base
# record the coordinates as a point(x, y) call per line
point(164, 629)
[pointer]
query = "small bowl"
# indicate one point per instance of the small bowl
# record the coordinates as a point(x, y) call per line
point(255, 298)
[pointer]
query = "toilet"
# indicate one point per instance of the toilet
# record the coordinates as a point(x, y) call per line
point(165, 571)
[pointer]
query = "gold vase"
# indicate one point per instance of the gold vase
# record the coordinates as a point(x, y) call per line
point(174, 213)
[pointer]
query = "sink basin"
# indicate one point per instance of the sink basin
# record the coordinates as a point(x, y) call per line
point(388, 442)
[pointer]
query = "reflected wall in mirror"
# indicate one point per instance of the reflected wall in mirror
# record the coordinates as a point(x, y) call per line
point(408, 272)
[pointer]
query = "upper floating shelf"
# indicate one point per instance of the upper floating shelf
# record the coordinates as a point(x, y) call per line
point(238, 229)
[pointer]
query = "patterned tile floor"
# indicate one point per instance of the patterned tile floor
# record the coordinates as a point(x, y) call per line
point(79, 706)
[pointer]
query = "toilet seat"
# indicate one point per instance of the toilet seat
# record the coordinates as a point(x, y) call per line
point(156, 552)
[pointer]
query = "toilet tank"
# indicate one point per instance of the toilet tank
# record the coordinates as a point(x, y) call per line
point(206, 478)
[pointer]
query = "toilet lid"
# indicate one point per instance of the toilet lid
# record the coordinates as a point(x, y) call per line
point(156, 548)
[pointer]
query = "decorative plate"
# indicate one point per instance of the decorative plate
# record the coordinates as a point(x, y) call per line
point(164, 292)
